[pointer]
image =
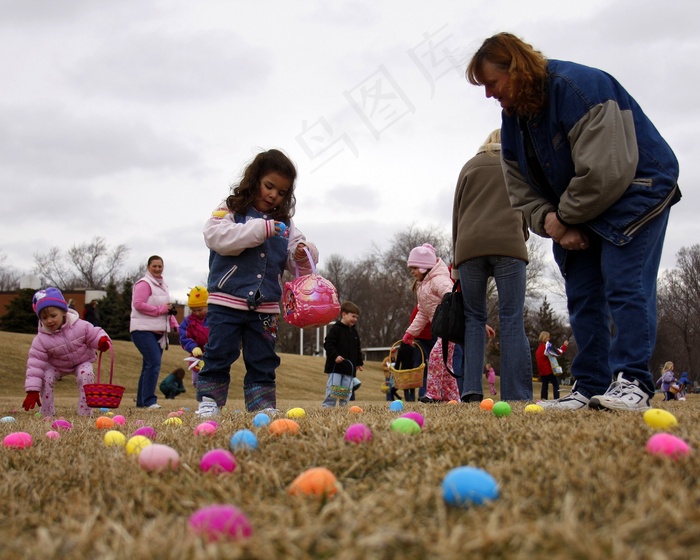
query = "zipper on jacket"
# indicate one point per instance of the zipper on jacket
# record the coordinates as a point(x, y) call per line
point(634, 228)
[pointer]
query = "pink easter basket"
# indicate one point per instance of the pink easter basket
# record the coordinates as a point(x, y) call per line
point(310, 301)
point(104, 395)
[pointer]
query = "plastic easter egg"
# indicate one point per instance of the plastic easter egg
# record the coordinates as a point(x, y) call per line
point(159, 457)
point(396, 406)
point(533, 408)
point(7, 419)
point(296, 413)
point(174, 421)
point(218, 461)
point(660, 419)
point(357, 433)
point(119, 420)
point(145, 431)
point(103, 409)
point(140, 423)
point(453, 402)
point(220, 522)
point(18, 440)
point(213, 423)
point(465, 486)
point(486, 404)
point(113, 438)
point(417, 416)
point(318, 482)
point(284, 426)
point(204, 429)
point(53, 434)
point(405, 426)
point(61, 424)
point(243, 440)
point(354, 409)
point(261, 419)
point(136, 444)
point(104, 423)
point(173, 414)
point(667, 444)
point(501, 409)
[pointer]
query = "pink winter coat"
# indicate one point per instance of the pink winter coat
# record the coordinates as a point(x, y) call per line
point(429, 294)
point(73, 344)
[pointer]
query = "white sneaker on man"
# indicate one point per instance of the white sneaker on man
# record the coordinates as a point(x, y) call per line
point(622, 395)
point(572, 401)
point(207, 408)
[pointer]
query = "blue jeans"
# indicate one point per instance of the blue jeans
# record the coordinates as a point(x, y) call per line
point(146, 342)
point(516, 365)
point(613, 283)
point(231, 330)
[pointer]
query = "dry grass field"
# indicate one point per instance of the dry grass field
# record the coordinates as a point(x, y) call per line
point(572, 484)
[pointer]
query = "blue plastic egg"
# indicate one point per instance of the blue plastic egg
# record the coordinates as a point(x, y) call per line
point(261, 419)
point(466, 486)
point(396, 406)
point(242, 440)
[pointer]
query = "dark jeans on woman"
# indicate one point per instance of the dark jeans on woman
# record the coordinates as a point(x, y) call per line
point(146, 342)
point(546, 380)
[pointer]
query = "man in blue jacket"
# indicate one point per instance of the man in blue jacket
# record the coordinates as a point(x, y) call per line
point(588, 169)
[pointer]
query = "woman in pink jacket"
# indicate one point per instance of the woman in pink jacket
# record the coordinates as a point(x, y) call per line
point(64, 345)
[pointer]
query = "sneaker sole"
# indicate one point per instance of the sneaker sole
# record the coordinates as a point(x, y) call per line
point(597, 404)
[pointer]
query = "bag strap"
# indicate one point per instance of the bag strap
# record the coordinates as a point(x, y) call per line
point(311, 261)
point(111, 365)
point(446, 347)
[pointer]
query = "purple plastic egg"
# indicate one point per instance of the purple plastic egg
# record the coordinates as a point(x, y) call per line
point(146, 431)
point(357, 433)
point(218, 461)
point(220, 522)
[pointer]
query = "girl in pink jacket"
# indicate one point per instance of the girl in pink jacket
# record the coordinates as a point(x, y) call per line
point(65, 344)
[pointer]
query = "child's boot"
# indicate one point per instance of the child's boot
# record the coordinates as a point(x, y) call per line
point(260, 396)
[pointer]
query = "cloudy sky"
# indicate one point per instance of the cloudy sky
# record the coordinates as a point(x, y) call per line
point(129, 120)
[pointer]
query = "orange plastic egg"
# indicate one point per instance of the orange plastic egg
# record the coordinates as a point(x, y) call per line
point(104, 423)
point(318, 482)
point(284, 426)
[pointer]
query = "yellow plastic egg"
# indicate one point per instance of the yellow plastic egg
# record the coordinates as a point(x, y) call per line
point(173, 421)
point(534, 408)
point(660, 419)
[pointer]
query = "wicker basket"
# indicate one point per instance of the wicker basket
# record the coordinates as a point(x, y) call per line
point(408, 378)
point(342, 391)
point(104, 395)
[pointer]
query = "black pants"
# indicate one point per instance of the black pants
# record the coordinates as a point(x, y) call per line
point(554, 380)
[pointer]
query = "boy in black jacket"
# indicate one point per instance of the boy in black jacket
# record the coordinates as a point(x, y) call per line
point(343, 356)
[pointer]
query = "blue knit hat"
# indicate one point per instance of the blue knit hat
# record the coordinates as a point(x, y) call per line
point(50, 297)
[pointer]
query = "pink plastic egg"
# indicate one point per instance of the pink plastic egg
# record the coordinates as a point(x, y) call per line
point(357, 433)
point(220, 522)
point(18, 440)
point(52, 434)
point(213, 423)
point(145, 431)
point(416, 416)
point(61, 424)
point(205, 429)
point(159, 457)
point(119, 420)
point(218, 461)
point(667, 444)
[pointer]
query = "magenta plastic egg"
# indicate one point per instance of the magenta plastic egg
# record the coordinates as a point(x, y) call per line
point(220, 522)
point(205, 429)
point(667, 444)
point(119, 420)
point(218, 461)
point(18, 440)
point(145, 431)
point(52, 434)
point(417, 416)
point(357, 433)
point(159, 457)
point(61, 424)
point(213, 423)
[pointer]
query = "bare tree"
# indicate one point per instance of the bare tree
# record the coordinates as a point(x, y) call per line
point(9, 276)
point(88, 265)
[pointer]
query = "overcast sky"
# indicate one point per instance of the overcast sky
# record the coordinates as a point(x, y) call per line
point(129, 120)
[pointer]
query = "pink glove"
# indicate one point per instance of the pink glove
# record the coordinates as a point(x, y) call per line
point(31, 400)
point(104, 344)
point(408, 338)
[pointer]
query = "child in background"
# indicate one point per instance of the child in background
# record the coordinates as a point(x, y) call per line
point(683, 383)
point(343, 353)
point(388, 388)
point(65, 344)
point(172, 385)
point(491, 378)
point(666, 380)
point(252, 241)
point(194, 329)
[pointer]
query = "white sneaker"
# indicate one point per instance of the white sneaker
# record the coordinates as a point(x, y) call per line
point(572, 401)
point(207, 408)
point(622, 395)
point(155, 406)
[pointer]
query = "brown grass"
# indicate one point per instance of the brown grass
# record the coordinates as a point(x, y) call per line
point(573, 485)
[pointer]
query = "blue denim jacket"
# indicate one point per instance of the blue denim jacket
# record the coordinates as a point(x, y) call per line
point(605, 164)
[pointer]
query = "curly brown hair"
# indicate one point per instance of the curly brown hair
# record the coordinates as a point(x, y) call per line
point(244, 193)
point(526, 67)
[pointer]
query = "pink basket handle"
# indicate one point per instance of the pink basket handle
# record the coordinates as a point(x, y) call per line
point(313, 266)
point(111, 365)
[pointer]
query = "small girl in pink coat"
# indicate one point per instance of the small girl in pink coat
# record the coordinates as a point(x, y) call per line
point(491, 378)
point(65, 344)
